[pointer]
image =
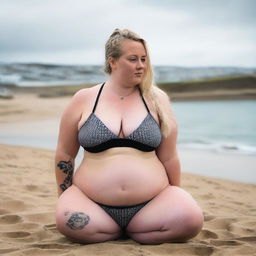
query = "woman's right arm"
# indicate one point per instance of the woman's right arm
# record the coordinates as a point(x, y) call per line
point(68, 145)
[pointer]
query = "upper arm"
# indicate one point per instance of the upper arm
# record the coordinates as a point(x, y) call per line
point(68, 130)
point(167, 150)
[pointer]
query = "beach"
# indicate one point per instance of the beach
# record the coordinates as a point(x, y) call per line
point(28, 197)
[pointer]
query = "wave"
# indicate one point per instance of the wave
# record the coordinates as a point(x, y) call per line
point(32, 74)
point(28, 74)
point(10, 79)
point(219, 147)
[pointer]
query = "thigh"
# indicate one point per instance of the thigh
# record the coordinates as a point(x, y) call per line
point(79, 217)
point(173, 207)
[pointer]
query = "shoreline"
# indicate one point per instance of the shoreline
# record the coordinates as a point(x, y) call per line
point(217, 88)
point(22, 119)
point(218, 95)
point(18, 107)
point(212, 95)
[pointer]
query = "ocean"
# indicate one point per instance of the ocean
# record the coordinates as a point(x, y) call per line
point(216, 126)
point(227, 126)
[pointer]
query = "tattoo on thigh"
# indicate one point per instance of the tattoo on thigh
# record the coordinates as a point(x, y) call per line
point(67, 168)
point(77, 220)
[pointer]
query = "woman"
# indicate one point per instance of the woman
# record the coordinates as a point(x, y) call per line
point(128, 181)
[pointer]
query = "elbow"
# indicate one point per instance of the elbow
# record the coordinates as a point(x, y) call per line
point(64, 155)
point(65, 152)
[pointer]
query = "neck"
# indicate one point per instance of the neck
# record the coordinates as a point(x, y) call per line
point(120, 88)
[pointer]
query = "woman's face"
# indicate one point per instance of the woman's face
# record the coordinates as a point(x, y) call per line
point(131, 65)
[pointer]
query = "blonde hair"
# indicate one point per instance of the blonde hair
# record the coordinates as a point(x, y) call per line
point(147, 86)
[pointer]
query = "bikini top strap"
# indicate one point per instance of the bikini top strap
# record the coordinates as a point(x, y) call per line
point(144, 100)
point(97, 99)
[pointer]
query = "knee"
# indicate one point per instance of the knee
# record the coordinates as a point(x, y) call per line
point(192, 224)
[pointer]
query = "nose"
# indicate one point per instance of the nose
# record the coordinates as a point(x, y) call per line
point(140, 64)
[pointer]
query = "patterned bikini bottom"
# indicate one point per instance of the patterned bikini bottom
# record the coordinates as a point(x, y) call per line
point(122, 214)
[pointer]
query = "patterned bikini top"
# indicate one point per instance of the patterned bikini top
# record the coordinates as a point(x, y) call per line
point(94, 136)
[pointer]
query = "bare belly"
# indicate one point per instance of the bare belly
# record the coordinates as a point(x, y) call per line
point(121, 176)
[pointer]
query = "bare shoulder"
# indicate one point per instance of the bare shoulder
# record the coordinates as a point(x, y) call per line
point(85, 93)
point(82, 96)
point(80, 101)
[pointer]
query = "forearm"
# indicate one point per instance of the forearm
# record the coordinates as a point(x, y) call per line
point(172, 168)
point(64, 169)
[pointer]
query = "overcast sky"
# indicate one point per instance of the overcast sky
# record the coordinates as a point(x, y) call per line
point(178, 32)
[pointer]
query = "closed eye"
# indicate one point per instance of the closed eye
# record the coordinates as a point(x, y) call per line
point(135, 59)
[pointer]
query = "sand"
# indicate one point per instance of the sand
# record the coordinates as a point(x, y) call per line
point(28, 198)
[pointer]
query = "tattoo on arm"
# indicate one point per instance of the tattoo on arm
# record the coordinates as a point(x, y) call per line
point(77, 220)
point(67, 168)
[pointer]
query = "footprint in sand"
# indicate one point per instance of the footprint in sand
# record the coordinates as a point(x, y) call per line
point(198, 250)
point(15, 205)
point(206, 234)
point(28, 226)
point(20, 236)
point(31, 187)
point(52, 228)
point(8, 250)
point(247, 239)
point(3, 211)
point(203, 251)
point(208, 196)
point(10, 219)
point(208, 217)
point(44, 195)
point(243, 228)
point(225, 243)
point(220, 223)
point(16, 234)
point(45, 218)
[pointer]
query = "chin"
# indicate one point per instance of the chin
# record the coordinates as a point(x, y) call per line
point(137, 81)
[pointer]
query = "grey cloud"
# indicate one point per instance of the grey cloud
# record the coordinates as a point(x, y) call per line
point(179, 32)
point(234, 11)
point(33, 25)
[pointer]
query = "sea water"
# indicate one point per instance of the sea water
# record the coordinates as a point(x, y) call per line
point(227, 126)
point(216, 126)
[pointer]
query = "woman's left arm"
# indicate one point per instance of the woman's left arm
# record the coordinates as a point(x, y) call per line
point(167, 151)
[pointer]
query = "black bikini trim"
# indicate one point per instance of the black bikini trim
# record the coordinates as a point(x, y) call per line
point(119, 142)
point(97, 99)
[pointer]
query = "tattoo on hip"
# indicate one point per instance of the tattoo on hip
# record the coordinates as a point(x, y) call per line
point(67, 168)
point(77, 220)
